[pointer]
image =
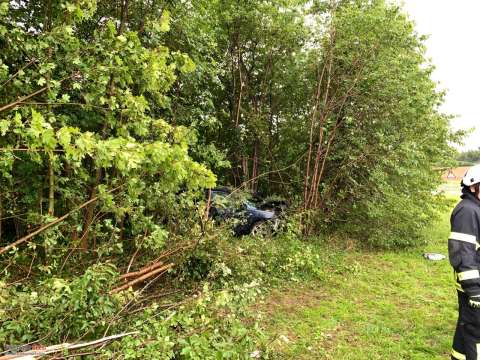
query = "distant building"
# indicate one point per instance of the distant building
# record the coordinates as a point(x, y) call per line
point(455, 173)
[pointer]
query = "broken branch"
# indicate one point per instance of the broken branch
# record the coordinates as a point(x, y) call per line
point(141, 272)
point(142, 278)
point(49, 225)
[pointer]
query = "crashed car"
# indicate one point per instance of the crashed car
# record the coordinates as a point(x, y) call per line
point(251, 216)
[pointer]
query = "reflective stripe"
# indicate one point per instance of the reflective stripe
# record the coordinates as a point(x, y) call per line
point(457, 283)
point(478, 351)
point(469, 275)
point(472, 239)
point(458, 355)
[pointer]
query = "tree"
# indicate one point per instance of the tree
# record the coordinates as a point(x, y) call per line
point(83, 100)
point(378, 129)
point(470, 157)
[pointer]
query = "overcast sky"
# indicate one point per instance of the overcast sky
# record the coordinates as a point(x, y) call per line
point(454, 47)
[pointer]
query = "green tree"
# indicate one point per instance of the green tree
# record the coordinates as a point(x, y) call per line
point(469, 157)
point(378, 129)
point(85, 103)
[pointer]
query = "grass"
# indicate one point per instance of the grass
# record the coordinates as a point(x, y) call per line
point(450, 188)
point(385, 305)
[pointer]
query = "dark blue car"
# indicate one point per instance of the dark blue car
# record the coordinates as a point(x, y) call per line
point(254, 217)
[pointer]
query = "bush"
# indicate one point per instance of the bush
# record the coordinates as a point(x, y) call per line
point(226, 260)
point(395, 216)
point(216, 322)
point(210, 325)
point(56, 309)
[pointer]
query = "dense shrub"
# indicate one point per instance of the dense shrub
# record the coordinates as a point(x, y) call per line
point(211, 325)
point(56, 309)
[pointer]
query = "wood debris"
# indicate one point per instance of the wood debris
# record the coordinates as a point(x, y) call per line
point(37, 354)
point(142, 275)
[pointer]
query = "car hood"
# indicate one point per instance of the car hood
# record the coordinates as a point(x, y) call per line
point(261, 214)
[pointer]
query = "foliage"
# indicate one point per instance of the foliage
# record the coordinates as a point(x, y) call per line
point(375, 127)
point(58, 308)
point(86, 105)
point(210, 326)
point(215, 321)
point(219, 321)
point(225, 261)
point(118, 115)
point(469, 157)
point(84, 119)
point(386, 135)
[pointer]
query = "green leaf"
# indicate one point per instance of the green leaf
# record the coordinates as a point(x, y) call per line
point(4, 126)
point(165, 21)
point(4, 8)
point(64, 136)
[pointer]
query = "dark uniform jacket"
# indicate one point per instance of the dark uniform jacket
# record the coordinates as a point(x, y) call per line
point(463, 243)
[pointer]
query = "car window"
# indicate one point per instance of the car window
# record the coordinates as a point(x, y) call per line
point(220, 199)
point(236, 199)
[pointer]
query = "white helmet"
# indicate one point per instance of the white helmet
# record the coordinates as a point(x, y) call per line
point(472, 176)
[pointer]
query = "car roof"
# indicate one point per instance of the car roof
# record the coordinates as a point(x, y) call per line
point(222, 189)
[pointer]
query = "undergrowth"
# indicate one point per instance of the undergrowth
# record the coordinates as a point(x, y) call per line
point(208, 314)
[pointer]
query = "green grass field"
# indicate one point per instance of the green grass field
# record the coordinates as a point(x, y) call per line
point(385, 305)
point(451, 188)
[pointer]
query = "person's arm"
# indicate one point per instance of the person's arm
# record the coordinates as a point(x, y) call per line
point(462, 250)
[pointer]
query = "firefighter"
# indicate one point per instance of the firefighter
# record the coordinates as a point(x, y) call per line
point(463, 243)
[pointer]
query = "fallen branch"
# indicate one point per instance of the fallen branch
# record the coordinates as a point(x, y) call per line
point(155, 263)
point(50, 224)
point(162, 270)
point(141, 272)
point(45, 227)
point(62, 347)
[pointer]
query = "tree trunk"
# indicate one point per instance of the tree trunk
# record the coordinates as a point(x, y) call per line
point(310, 143)
point(89, 212)
point(319, 117)
point(51, 188)
point(123, 16)
point(255, 166)
point(1, 216)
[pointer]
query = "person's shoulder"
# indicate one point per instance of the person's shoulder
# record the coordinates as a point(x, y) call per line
point(465, 207)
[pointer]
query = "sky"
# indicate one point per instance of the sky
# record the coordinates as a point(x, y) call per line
point(453, 45)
